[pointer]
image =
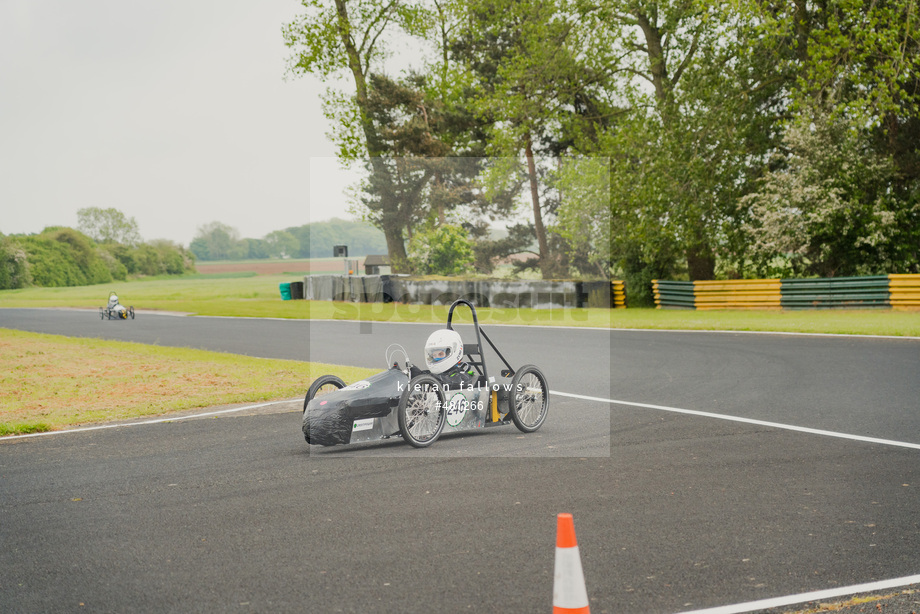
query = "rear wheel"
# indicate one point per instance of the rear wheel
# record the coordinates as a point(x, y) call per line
point(421, 411)
point(322, 385)
point(528, 399)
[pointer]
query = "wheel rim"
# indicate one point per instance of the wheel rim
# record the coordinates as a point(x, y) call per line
point(530, 402)
point(423, 413)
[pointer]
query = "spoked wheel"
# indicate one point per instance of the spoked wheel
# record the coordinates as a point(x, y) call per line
point(101, 313)
point(528, 400)
point(421, 411)
point(322, 385)
point(131, 311)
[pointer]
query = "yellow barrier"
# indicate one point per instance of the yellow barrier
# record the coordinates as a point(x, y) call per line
point(619, 294)
point(904, 291)
point(738, 294)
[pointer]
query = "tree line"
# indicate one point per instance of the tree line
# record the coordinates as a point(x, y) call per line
point(106, 246)
point(219, 241)
point(644, 139)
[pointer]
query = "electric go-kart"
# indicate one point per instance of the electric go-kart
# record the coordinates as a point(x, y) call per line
point(419, 405)
point(114, 310)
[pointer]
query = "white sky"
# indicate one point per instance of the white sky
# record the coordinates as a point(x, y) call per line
point(175, 112)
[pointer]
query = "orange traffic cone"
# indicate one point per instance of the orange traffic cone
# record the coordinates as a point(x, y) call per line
point(570, 596)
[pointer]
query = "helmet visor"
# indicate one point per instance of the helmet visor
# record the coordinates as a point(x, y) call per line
point(438, 354)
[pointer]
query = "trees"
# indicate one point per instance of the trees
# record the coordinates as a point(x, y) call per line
point(710, 138)
point(843, 196)
point(108, 226)
point(441, 250)
point(347, 38)
point(218, 241)
point(826, 210)
point(518, 60)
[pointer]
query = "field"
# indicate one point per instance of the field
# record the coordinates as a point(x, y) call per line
point(49, 381)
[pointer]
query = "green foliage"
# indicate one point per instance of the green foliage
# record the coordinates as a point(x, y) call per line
point(584, 217)
point(826, 210)
point(281, 244)
point(64, 257)
point(14, 265)
point(23, 428)
point(218, 241)
point(743, 138)
point(61, 256)
point(444, 250)
point(316, 240)
point(108, 226)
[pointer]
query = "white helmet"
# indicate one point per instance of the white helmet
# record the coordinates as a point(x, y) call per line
point(443, 350)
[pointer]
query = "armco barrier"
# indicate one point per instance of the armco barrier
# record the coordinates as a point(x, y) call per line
point(674, 294)
point(738, 294)
point(484, 293)
point(836, 293)
point(880, 291)
point(904, 291)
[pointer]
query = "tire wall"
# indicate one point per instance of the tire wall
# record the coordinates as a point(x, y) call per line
point(484, 293)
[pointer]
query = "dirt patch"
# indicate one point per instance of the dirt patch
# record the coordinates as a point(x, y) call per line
point(274, 267)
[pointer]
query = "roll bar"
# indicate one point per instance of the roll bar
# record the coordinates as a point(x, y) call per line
point(480, 334)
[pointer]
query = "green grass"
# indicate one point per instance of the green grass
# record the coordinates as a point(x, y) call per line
point(259, 297)
point(23, 428)
point(50, 381)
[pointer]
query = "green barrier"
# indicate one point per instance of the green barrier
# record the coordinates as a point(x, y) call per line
point(836, 293)
point(285, 288)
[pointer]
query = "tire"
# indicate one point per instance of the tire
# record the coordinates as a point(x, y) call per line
point(421, 411)
point(322, 385)
point(528, 399)
point(131, 312)
point(101, 313)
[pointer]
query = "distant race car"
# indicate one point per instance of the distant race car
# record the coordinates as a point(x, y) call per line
point(454, 394)
point(114, 310)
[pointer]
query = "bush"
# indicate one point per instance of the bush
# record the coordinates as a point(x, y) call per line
point(14, 265)
point(52, 263)
point(65, 257)
point(445, 250)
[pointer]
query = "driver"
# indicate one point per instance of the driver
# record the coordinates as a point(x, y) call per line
point(444, 358)
point(113, 300)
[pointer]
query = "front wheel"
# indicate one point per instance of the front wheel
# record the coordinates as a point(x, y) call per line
point(322, 385)
point(528, 399)
point(101, 313)
point(131, 312)
point(421, 412)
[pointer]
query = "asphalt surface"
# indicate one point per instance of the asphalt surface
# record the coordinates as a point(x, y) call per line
point(673, 512)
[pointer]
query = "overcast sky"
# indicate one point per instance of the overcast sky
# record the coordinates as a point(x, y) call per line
point(175, 112)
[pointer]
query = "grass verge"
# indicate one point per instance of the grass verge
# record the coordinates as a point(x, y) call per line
point(259, 297)
point(48, 382)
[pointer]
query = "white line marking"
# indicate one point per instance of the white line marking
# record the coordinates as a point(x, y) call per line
point(156, 421)
point(777, 425)
point(777, 602)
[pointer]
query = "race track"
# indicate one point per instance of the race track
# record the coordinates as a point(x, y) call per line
point(674, 511)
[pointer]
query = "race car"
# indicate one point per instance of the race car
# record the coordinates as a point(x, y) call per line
point(454, 393)
point(114, 310)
